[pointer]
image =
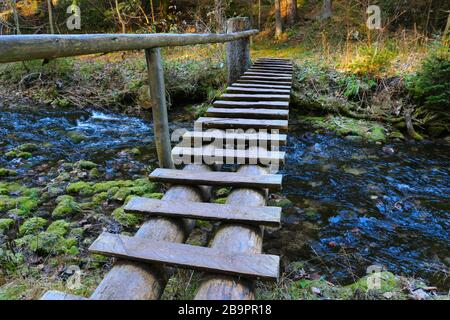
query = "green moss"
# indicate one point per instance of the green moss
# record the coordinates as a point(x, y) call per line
point(76, 137)
point(220, 200)
point(99, 198)
point(67, 206)
point(7, 172)
point(397, 135)
point(81, 187)
point(153, 195)
point(377, 134)
point(388, 283)
point(18, 154)
point(126, 219)
point(223, 192)
point(76, 233)
point(48, 243)
point(282, 203)
point(87, 165)
point(32, 226)
point(5, 225)
point(94, 173)
point(59, 227)
point(22, 206)
point(28, 147)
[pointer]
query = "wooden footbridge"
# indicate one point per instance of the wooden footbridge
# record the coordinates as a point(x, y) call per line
point(250, 120)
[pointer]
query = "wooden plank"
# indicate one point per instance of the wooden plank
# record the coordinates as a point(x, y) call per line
point(248, 113)
point(230, 179)
point(233, 89)
point(239, 123)
point(210, 156)
point(267, 69)
point(255, 97)
point(263, 78)
point(288, 83)
point(264, 216)
point(268, 74)
point(201, 137)
point(187, 256)
point(252, 104)
point(268, 64)
point(255, 85)
point(57, 295)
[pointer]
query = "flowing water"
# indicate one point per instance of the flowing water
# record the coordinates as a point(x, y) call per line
point(353, 204)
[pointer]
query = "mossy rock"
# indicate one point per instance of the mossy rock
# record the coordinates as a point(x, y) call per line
point(6, 225)
point(59, 227)
point(21, 206)
point(76, 137)
point(99, 198)
point(222, 192)
point(377, 134)
point(388, 282)
point(48, 243)
point(28, 147)
point(66, 207)
point(86, 165)
point(32, 226)
point(18, 154)
point(282, 203)
point(126, 219)
point(94, 173)
point(81, 188)
point(7, 172)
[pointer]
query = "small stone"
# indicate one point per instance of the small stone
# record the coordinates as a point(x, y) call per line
point(316, 291)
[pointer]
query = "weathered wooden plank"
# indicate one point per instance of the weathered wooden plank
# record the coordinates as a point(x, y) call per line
point(288, 83)
point(273, 65)
point(233, 89)
point(264, 78)
point(261, 266)
point(252, 104)
point(268, 74)
point(255, 97)
point(260, 69)
point(255, 85)
point(229, 136)
point(200, 155)
point(248, 113)
point(239, 123)
point(57, 295)
point(230, 179)
point(264, 216)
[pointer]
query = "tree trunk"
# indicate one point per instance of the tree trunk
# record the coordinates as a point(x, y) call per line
point(50, 16)
point(218, 8)
point(278, 23)
point(291, 14)
point(327, 10)
point(259, 14)
point(13, 5)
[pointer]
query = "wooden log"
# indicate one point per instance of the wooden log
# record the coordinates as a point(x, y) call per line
point(210, 156)
point(248, 113)
point(129, 280)
point(252, 104)
point(159, 108)
point(255, 97)
point(268, 74)
point(262, 266)
point(237, 52)
point(30, 47)
point(230, 179)
point(239, 123)
point(235, 238)
point(264, 216)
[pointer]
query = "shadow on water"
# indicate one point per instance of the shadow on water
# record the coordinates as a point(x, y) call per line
point(353, 204)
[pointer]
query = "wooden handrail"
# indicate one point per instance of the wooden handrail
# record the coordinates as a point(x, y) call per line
point(30, 47)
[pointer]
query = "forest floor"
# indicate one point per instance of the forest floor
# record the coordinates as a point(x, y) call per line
point(329, 93)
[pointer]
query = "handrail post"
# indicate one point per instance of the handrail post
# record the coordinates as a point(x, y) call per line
point(159, 107)
point(237, 52)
